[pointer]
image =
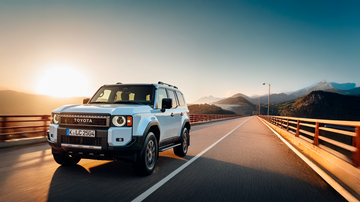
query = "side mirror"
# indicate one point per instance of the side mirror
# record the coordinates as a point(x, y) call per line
point(166, 104)
point(86, 100)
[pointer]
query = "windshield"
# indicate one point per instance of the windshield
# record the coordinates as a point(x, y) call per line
point(125, 94)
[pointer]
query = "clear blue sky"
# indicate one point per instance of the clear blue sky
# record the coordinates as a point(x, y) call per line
point(206, 48)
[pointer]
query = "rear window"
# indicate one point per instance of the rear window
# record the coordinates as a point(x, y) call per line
point(181, 98)
point(172, 96)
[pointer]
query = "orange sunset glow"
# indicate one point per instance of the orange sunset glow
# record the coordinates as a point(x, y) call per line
point(62, 81)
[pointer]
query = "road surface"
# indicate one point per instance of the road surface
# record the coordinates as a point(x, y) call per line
point(250, 164)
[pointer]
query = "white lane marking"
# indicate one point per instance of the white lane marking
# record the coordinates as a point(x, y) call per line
point(318, 170)
point(171, 175)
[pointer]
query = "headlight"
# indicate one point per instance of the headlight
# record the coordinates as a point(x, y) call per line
point(119, 121)
point(55, 118)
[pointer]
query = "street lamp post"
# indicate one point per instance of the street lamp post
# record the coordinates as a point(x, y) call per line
point(268, 99)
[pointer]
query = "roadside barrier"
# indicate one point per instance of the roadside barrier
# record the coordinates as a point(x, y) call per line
point(335, 145)
point(337, 137)
point(23, 126)
point(196, 118)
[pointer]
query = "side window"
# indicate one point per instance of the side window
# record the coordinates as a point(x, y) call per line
point(181, 98)
point(172, 96)
point(161, 94)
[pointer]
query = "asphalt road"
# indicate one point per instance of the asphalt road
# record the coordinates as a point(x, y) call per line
point(250, 164)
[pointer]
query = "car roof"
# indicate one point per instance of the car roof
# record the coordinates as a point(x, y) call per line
point(157, 85)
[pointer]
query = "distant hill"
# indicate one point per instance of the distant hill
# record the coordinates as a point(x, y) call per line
point(237, 103)
point(237, 99)
point(17, 103)
point(322, 105)
point(208, 100)
point(340, 88)
point(207, 109)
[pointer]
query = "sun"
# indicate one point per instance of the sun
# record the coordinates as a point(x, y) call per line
point(62, 81)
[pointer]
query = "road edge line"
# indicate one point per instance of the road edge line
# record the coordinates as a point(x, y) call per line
point(156, 186)
point(341, 190)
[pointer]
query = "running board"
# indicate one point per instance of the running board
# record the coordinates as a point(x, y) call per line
point(169, 147)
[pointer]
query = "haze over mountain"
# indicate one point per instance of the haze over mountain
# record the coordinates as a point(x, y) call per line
point(207, 109)
point(18, 103)
point(340, 88)
point(238, 103)
point(207, 99)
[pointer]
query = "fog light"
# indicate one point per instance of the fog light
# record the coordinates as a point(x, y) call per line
point(70, 152)
point(102, 155)
point(119, 139)
point(80, 153)
point(91, 154)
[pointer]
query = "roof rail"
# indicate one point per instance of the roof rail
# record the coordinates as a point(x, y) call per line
point(118, 83)
point(162, 83)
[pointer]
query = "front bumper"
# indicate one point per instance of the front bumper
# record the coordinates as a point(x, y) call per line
point(103, 146)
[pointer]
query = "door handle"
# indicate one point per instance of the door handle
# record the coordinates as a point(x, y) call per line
point(172, 114)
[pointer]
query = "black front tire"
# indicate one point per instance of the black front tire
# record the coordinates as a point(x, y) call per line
point(66, 160)
point(182, 149)
point(146, 158)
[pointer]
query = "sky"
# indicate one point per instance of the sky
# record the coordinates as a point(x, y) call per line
point(219, 48)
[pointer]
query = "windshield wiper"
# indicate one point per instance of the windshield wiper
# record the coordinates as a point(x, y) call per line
point(99, 103)
point(128, 102)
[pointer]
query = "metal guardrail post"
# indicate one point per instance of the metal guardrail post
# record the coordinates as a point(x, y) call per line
point(316, 136)
point(45, 119)
point(287, 125)
point(356, 143)
point(298, 129)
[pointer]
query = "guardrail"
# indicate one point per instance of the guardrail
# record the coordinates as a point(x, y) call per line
point(22, 126)
point(195, 118)
point(340, 138)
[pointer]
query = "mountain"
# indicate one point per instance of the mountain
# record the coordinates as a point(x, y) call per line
point(344, 88)
point(208, 99)
point(240, 95)
point(340, 88)
point(235, 100)
point(207, 109)
point(17, 103)
point(237, 103)
point(322, 105)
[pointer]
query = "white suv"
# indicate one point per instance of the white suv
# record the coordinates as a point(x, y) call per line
point(131, 122)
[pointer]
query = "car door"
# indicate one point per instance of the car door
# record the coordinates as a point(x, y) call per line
point(165, 119)
point(176, 113)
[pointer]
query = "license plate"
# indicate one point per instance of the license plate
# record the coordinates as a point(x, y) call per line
point(80, 133)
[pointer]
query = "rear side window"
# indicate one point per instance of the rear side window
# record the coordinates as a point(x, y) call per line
point(172, 96)
point(181, 98)
point(161, 95)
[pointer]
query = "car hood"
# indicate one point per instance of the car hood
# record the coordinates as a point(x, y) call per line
point(113, 109)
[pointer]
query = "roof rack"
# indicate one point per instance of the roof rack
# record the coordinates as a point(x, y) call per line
point(162, 83)
point(118, 83)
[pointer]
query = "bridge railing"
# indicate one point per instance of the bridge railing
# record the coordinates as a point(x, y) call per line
point(23, 126)
point(340, 138)
point(195, 118)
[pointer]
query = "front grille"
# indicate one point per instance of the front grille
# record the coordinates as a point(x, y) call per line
point(81, 140)
point(84, 120)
